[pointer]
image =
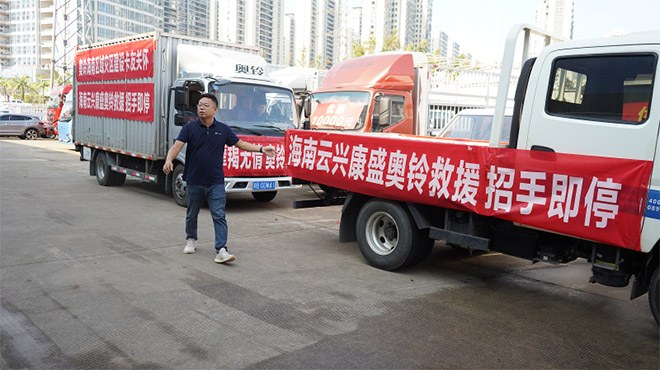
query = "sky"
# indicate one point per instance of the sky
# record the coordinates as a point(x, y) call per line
point(481, 26)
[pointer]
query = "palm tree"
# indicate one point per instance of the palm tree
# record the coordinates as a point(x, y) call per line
point(40, 91)
point(6, 87)
point(21, 84)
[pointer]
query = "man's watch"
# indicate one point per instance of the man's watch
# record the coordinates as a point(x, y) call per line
point(261, 149)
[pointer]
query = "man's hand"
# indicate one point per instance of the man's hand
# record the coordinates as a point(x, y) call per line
point(269, 150)
point(168, 167)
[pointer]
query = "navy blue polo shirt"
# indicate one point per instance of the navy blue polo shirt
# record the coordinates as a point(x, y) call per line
point(205, 150)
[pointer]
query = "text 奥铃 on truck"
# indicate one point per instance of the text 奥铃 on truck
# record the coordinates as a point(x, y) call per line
point(578, 178)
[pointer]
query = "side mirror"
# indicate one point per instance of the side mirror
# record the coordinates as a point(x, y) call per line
point(180, 99)
point(179, 120)
point(307, 107)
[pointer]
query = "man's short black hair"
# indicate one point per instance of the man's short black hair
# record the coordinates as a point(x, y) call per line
point(210, 96)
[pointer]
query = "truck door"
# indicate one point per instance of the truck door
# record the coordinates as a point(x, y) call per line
point(599, 104)
point(605, 103)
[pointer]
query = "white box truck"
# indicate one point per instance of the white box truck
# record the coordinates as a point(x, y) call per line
point(132, 95)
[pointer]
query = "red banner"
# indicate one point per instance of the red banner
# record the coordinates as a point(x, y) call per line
point(125, 101)
point(239, 163)
point(128, 60)
point(595, 198)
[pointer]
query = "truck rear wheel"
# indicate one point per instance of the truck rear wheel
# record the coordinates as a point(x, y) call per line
point(104, 175)
point(179, 186)
point(388, 238)
point(654, 295)
point(264, 196)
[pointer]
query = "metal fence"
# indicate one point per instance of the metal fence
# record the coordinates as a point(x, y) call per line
point(455, 89)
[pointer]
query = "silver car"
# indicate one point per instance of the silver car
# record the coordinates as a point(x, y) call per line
point(22, 125)
point(475, 124)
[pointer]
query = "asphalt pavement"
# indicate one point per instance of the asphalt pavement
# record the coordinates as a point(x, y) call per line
point(94, 277)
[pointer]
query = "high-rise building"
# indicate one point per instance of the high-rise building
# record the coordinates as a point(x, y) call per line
point(409, 19)
point(289, 33)
point(455, 49)
point(23, 34)
point(187, 17)
point(43, 33)
point(4, 34)
point(349, 30)
point(443, 44)
point(556, 16)
point(108, 19)
point(250, 22)
point(306, 20)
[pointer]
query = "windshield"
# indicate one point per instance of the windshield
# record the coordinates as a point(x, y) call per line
point(475, 127)
point(339, 110)
point(255, 109)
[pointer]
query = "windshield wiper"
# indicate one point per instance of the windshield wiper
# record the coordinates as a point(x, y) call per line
point(268, 125)
point(246, 130)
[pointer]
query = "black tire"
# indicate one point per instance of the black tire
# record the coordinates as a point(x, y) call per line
point(264, 196)
point(654, 295)
point(179, 186)
point(31, 134)
point(104, 175)
point(388, 238)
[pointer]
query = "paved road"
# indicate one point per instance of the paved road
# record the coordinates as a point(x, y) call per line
point(95, 277)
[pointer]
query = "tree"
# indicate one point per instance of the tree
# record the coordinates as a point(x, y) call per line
point(39, 90)
point(303, 62)
point(20, 85)
point(318, 63)
point(370, 46)
point(392, 43)
point(6, 87)
point(357, 49)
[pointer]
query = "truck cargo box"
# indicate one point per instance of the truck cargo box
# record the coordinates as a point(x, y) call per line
point(121, 92)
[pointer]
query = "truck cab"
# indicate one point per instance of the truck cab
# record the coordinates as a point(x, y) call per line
point(249, 102)
point(375, 93)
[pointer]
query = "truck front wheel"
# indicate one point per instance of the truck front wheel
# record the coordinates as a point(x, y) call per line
point(654, 295)
point(179, 186)
point(388, 238)
point(104, 175)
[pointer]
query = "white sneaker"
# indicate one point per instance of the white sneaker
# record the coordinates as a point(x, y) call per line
point(224, 256)
point(191, 245)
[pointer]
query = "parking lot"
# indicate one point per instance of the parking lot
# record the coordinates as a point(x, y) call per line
point(95, 277)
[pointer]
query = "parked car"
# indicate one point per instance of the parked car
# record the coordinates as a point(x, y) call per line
point(22, 125)
point(475, 124)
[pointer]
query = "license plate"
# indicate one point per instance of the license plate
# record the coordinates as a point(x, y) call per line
point(263, 185)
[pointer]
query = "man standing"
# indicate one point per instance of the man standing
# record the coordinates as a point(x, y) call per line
point(206, 138)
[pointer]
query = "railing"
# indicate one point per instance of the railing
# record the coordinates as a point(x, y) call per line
point(455, 89)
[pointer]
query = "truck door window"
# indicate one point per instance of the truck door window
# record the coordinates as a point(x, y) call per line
point(392, 113)
point(612, 88)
